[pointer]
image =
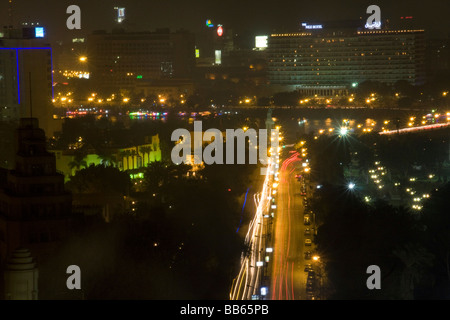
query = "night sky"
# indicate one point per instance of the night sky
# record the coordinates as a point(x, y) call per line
point(250, 17)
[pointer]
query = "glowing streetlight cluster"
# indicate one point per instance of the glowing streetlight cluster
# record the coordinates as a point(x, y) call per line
point(377, 173)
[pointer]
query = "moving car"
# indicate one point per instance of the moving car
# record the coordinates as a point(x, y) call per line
point(306, 220)
point(310, 296)
point(308, 242)
point(308, 255)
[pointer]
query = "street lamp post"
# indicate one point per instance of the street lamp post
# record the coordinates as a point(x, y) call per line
point(318, 264)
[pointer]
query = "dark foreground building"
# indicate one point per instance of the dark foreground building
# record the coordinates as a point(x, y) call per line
point(35, 210)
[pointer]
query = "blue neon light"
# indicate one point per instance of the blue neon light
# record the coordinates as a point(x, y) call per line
point(242, 212)
point(39, 32)
point(18, 75)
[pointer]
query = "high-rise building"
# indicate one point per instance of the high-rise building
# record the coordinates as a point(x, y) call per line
point(213, 45)
point(35, 209)
point(119, 60)
point(26, 75)
point(325, 61)
point(26, 84)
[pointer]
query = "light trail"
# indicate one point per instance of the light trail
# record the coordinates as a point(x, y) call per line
point(283, 287)
point(250, 270)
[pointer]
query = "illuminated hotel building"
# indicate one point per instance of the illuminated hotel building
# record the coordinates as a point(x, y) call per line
point(327, 62)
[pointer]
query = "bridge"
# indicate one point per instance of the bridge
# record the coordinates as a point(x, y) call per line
point(425, 128)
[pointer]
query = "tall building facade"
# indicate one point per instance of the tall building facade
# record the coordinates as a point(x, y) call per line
point(26, 75)
point(119, 60)
point(35, 209)
point(26, 84)
point(327, 62)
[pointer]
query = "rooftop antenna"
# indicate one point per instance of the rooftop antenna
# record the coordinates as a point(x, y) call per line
point(31, 99)
point(10, 13)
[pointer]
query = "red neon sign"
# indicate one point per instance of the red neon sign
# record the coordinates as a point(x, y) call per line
point(220, 31)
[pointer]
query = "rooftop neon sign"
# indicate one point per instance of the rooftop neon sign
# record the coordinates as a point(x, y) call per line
point(312, 26)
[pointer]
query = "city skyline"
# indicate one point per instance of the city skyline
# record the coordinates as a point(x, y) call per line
point(129, 151)
point(251, 18)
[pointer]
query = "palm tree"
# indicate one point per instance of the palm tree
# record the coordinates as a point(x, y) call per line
point(146, 151)
point(78, 162)
point(107, 158)
point(124, 155)
point(156, 175)
point(133, 155)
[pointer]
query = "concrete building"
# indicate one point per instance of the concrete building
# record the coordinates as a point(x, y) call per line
point(327, 62)
point(166, 91)
point(26, 88)
point(119, 60)
point(126, 158)
point(21, 276)
point(25, 59)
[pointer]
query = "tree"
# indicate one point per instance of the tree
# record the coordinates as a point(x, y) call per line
point(161, 176)
point(354, 236)
point(416, 260)
point(107, 158)
point(146, 152)
point(287, 98)
point(78, 161)
point(124, 155)
point(100, 179)
point(329, 156)
point(436, 219)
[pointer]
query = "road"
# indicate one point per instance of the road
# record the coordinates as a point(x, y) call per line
point(288, 279)
point(253, 270)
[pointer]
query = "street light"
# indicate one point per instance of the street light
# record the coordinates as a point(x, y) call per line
point(264, 291)
point(351, 186)
point(343, 131)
